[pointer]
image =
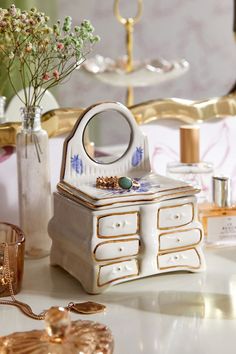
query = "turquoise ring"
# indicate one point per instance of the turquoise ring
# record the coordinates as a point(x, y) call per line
point(115, 182)
point(127, 183)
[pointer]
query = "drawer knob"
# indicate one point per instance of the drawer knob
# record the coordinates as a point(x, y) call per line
point(121, 249)
point(178, 239)
point(118, 224)
point(173, 259)
point(177, 216)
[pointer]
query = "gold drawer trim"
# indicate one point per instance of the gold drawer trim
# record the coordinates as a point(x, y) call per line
point(121, 235)
point(182, 265)
point(170, 207)
point(181, 247)
point(116, 241)
point(122, 277)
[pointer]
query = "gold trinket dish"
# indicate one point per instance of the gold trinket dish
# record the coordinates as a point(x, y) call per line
point(61, 337)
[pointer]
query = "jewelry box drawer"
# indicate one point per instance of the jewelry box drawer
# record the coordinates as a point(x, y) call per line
point(179, 239)
point(174, 216)
point(109, 250)
point(188, 259)
point(117, 225)
point(115, 271)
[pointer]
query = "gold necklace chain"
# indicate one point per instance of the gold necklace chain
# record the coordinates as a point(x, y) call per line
point(26, 309)
point(88, 307)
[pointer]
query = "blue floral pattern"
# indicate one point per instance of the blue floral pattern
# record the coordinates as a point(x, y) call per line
point(137, 156)
point(77, 164)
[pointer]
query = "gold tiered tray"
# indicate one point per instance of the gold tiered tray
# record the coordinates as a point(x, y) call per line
point(125, 71)
point(144, 73)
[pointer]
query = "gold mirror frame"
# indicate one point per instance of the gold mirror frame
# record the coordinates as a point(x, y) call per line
point(60, 121)
point(187, 111)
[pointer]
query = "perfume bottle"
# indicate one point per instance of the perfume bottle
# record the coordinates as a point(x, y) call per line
point(219, 218)
point(190, 169)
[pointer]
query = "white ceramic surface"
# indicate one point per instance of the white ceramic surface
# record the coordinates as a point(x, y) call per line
point(177, 215)
point(118, 224)
point(170, 240)
point(76, 240)
point(177, 313)
point(85, 238)
point(120, 248)
point(187, 258)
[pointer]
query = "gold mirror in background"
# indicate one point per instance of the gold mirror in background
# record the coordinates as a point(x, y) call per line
point(61, 121)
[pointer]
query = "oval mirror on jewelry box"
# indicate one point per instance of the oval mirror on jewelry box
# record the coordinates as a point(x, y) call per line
point(105, 141)
point(107, 136)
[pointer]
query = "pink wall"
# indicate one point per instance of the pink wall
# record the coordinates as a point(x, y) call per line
point(200, 31)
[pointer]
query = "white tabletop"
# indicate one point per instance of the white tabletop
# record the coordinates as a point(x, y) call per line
point(176, 313)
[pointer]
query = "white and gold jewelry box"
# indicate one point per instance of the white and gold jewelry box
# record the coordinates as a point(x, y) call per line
point(107, 236)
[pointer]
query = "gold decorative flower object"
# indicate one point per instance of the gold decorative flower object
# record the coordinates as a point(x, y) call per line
point(61, 337)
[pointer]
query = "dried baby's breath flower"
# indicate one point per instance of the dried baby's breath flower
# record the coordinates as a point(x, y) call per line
point(43, 55)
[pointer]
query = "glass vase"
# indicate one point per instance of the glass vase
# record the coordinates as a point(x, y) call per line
point(35, 202)
point(2, 109)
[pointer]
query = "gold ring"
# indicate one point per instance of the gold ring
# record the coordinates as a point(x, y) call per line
point(115, 182)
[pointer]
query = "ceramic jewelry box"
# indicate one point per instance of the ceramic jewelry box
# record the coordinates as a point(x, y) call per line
point(107, 230)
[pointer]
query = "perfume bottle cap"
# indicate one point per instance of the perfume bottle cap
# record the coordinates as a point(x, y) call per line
point(221, 191)
point(189, 144)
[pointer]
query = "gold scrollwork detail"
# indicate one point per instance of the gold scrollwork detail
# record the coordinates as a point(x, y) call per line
point(62, 120)
point(187, 111)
